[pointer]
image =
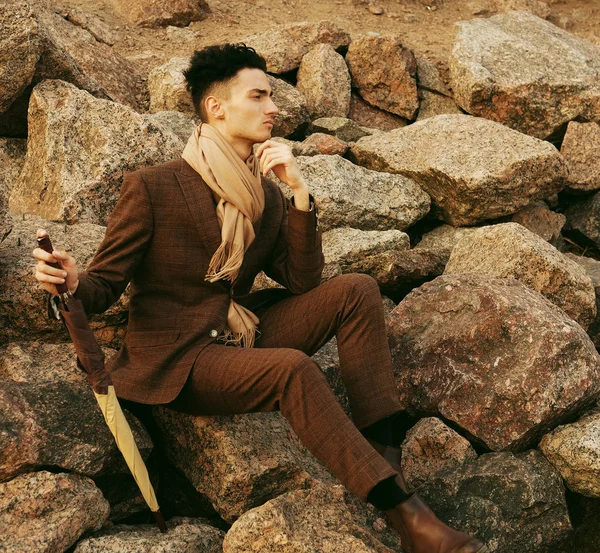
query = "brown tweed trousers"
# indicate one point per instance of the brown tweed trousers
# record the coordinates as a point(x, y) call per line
point(160, 239)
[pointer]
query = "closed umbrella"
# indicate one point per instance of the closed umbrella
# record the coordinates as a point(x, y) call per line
point(90, 358)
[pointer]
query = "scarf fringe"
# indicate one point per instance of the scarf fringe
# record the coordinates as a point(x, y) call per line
point(225, 263)
point(244, 339)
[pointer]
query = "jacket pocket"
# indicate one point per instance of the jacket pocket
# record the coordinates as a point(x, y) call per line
point(151, 338)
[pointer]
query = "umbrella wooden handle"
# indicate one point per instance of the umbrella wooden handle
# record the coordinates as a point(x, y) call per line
point(46, 245)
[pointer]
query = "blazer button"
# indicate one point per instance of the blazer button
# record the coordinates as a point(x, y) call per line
point(213, 333)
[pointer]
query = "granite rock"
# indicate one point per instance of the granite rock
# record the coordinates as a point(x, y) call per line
point(584, 216)
point(490, 356)
point(324, 80)
point(541, 221)
point(581, 150)
point(372, 117)
point(47, 512)
point(432, 104)
point(390, 84)
point(167, 87)
point(160, 13)
point(284, 46)
point(12, 158)
point(293, 111)
point(78, 148)
point(536, 7)
point(443, 239)
point(340, 127)
point(525, 72)
point(509, 250)
point(321, 143)
point(472, 168)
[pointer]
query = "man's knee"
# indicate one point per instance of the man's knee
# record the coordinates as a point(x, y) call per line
point(300, 367)
point(357, 285)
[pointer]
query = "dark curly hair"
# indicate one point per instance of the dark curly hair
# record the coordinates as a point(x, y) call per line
point(218, 64)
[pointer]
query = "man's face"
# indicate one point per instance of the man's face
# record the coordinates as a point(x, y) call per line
point(249, 110)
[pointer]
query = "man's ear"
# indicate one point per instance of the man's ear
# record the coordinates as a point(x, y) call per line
point(214, 107)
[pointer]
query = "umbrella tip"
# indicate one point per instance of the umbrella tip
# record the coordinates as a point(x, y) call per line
point(41, 233)
point(160, 521)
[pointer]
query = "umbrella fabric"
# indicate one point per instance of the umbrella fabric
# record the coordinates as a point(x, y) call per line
point(116, 421)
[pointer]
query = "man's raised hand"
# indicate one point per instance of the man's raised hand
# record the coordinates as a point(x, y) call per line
point(49, 276)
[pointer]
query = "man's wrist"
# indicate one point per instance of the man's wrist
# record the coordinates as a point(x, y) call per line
point(301, 198)
point(73, 288)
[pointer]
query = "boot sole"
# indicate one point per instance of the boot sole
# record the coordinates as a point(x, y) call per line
point(484, 549)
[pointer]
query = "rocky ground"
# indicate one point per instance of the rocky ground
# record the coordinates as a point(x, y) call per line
point(453, 149)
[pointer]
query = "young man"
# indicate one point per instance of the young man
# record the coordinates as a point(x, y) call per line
point(190, 236)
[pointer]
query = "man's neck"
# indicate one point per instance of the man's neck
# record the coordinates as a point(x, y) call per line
point(242, 148)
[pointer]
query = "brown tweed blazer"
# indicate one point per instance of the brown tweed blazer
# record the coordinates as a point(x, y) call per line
point(161, 237)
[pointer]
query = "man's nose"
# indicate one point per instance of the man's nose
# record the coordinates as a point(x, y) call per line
point(272, 109)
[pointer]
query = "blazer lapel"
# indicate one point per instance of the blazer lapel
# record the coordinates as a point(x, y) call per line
point(201, 205)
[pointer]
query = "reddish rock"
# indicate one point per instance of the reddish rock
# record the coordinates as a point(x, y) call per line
point(493, 357)
point(542, 221)
point(371, 117)
point(324, 144)
point(160, 13)
point(389, 84)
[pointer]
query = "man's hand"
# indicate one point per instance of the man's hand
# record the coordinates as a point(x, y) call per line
point(278, 158)
point(48, 276)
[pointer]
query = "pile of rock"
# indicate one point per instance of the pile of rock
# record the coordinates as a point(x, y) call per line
point(447, 188)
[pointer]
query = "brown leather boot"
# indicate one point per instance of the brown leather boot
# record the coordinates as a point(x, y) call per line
point(422, 532)
point(393, 456)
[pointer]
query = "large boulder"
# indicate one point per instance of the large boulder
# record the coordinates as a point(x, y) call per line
point(352, 196)
point(284, 46)
point(39, 44)
point(47, 513)
point(59, 424)
point(442, 239)
point(509, 250)
point(293, 110)
point(574, 450)
point(542, 221)
point(184, 535)
point(324, 80)
point(432, 104)
point(524, 72)
point(488, 355)
point(581, 150)
point(167, 87)
point(584, 217)
point(511, 502)
point(340, 127)
point(318, 519)
point(472, 168)
point(78, 148)
point(389, 84)
point(238, 461)
point(23, 313)
point(431, 447)
point(160, 13)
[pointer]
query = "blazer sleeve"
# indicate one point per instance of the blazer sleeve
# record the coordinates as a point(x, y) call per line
point(297, 260)
point(127, 237)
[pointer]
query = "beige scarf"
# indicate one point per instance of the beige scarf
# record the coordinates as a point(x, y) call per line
point(241, 203)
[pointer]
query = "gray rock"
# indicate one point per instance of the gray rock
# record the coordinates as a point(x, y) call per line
point(352, 196)
point(77, 151)
point(324, 80)
point(524, 72)
point(390, 84)
point(180, 124)
point(510, 250)
point(581, 150)
point(293, 110)
point(99, 29)
point(340, 127)
point(284, 46)
point(184, 535)
point(238, 461)
point(431, 447)
point(541, 221)
point(472, 168)
point(345, 246)
point(47, 512)
point(38, 44)
point(167, 87)
point(432, 104)
point(574, 450)
point(23, 313)
point(511, 502)
point(584, 216)
point(371, 117)
point(159, 13)
point(488, 355)
point(318, 519)
point(429, 75)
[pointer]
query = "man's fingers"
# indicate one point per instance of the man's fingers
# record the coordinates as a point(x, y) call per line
point(263, 146)
point(42, 267)
point(44, 277)
point(274, 162)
